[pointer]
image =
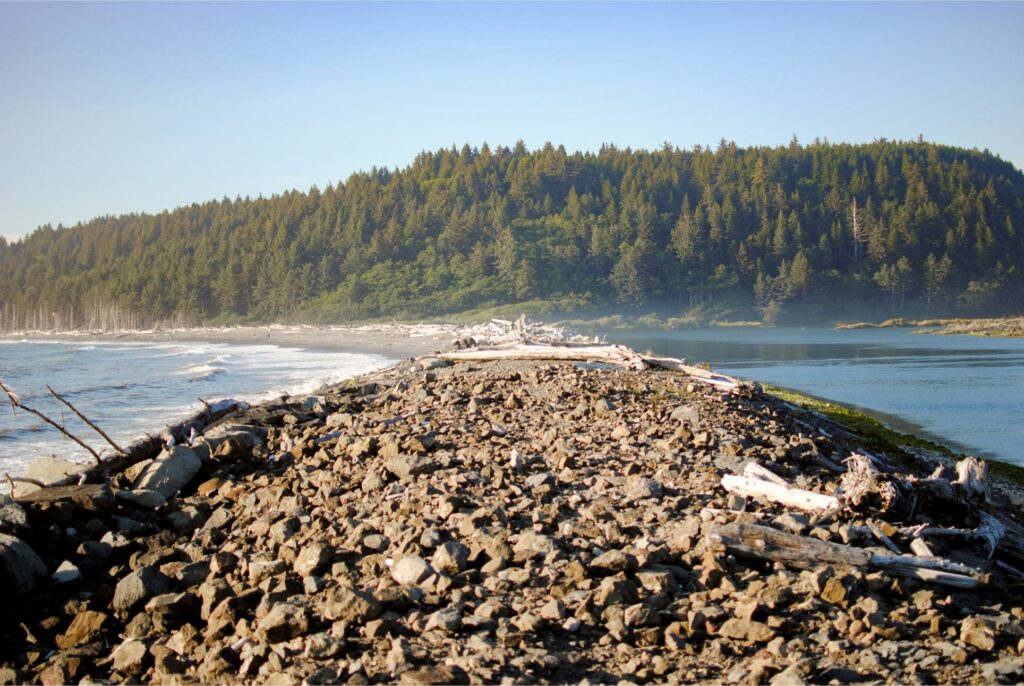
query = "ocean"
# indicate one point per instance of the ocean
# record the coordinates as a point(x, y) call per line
point(131, 388)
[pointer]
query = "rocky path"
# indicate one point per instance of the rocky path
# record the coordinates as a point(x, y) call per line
point(481, 523)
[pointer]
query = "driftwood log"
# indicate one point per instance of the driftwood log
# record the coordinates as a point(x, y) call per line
point(765, 543)
point(758, 482)
point(618, 355)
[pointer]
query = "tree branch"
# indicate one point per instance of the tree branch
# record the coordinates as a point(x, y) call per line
point(88, 421)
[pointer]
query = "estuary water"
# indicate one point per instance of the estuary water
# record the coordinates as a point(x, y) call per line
point(130, 389)
point(965, 392)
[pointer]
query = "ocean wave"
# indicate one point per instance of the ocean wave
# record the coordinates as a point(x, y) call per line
point(16, 432)
point(201, 372)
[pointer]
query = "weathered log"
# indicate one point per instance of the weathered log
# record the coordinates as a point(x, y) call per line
point(765, 543)
point(753, 483)
point(612, 354)
point(525, 348)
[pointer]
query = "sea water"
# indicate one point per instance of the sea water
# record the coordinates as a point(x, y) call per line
point(130, 389)
point(965, 392)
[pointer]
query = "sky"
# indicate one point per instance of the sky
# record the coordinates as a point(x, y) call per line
point(110, 108)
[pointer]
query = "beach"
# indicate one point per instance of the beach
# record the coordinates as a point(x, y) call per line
point(388, 340)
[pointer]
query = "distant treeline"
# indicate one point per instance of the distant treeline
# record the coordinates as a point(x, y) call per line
point(887, 226)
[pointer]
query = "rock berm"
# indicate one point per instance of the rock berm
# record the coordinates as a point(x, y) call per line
point(480, 523)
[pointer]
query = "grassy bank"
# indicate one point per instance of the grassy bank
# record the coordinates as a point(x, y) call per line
point(877, 436)
point(1005, 327)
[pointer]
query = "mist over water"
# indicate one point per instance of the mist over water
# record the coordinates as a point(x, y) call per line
point(963, 391)
point(134, 388)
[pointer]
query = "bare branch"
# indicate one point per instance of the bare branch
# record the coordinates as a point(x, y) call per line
point(16, 402)
point(88, 421)
point(11, 480)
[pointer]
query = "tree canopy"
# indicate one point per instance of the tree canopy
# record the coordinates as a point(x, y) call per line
point(893, 226)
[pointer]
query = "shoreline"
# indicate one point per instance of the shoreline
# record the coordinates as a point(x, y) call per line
point(1002, 327)
point(397, 341)
point(565, 519)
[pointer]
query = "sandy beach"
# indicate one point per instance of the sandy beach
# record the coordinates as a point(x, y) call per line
point(397, 341)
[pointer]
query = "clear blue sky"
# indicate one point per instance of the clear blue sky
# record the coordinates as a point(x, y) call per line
point(112, 108)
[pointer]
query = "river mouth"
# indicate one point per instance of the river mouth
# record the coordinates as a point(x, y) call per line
point(962, 392)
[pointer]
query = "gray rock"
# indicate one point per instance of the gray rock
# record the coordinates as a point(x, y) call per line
point(170, 472)
point(642, 488)
point(450, 557)
point(323, 646)
point(143, 498)
point(540, 479)
point(12, 517)
point(534, 543)
point(48, 470)
point(687, 414)
point(66, 573)
point(447, 619)
point(20, 563)
point(139, 586)
point(411, 570)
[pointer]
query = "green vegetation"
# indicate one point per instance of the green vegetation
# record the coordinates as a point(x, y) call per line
point(875, 434)
point(881, 438)
point(1011, 327)
point(817, 231)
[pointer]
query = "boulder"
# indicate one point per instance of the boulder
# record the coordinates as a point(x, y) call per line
point(170, 472)
point(47, 470)
point(12, 517)
point(66, 573)
point(140, 585)
point(150, 500)
point(20, 564)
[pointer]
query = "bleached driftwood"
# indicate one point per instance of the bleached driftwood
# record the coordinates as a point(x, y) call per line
point(753, 483)
point(972, 478)
point(619, 355)
point(766, 543)
point(611, 354)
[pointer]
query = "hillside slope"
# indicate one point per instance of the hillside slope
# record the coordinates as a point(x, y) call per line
point(890, 227)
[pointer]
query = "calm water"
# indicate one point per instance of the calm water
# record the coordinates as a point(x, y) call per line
point(134, 388)
point(967, 392)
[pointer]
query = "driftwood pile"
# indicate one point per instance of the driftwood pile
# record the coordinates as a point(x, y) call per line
point(955, 513)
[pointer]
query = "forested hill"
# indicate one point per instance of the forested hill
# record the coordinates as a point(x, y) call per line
point(898, 227)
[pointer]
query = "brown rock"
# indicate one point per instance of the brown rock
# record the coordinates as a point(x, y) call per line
point(746, 630)
point(979, 632)
point(350, 604)
point(87, 626)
